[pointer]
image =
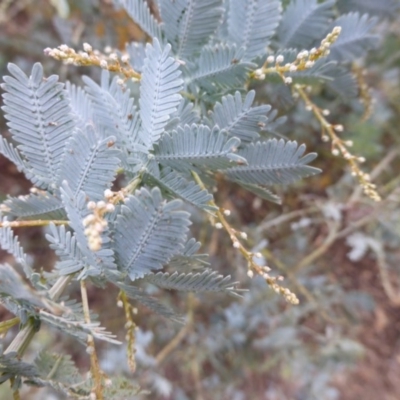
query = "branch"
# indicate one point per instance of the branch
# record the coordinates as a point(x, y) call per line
point(26, 334)
point(91, 349)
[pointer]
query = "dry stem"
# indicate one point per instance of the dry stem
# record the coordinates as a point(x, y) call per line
point(91, 349)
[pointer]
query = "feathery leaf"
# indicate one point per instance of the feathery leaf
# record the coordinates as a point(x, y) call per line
point(90, 164)
point(159, 90)
point(273, 162)
point(81, 105)
point(66, 248)
point(139, 11)
point(197, 145)
point(180, 187)
point(114, 110)
point(220, 66)
point(40, 120)
point(11, 245)
point(33, 205)
point(252, 23)
point(304, 22)
point(355, 38)
point(381, 8)
point(148, 232)
point(189, 24)
point(237, 118)
point(206, 281)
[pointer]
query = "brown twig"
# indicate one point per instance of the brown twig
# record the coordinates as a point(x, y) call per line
point(340, 146)
point(130, 326)
point(322, 248)
point(26, 334)
point(174, 343)
point(24, 224)
point(91, 349)
point(252, 266)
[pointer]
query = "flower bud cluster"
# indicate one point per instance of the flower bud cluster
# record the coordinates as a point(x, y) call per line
point(95, 223)
point(339, 146)
point(368, 187)
point(304, 60)
point(363, 178)
point(365, 95)
point(253, 266)
point(272, 281)
point(89, 57)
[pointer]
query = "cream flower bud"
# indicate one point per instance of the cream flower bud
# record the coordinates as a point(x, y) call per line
point(270, 59)
point(87, 47)
point(125, 58)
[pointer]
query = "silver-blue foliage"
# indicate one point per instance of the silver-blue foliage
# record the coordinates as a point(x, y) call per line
point(304, 22)
point(273, 162)
point(149, 232)
point(252, 24)
point(193, 113)
point(40, 120)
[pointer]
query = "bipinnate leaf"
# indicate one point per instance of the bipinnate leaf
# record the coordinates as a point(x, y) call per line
point(90, 163)
point(114, 111)
point(198, 145)
point(189, 24)
point(252, 23)
point(237, 118)
point(219, 66)
point(160, 85)
point(64, 243)
point(40, 121)
point(304, 22)
point(139, 11)
point(81, 105)
point(10, 243)
point(355, 38)
point(206, 281)
point(34, 205)
point(178, 186)
point(273, 162)
point(148, 232)
point(381, 8)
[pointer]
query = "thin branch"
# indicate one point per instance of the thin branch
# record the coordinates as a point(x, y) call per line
point(174, 343)
point(252, 266)
point(26, 334)
point(339, 146)
point(382, 166)
point(391, 292)
point(38, 222)
point(8, 324)
point(91, 349)
point(130, 326)
point(321, 249)
point(264, 226)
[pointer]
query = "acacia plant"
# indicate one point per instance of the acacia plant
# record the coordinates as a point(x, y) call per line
point(192, 120)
